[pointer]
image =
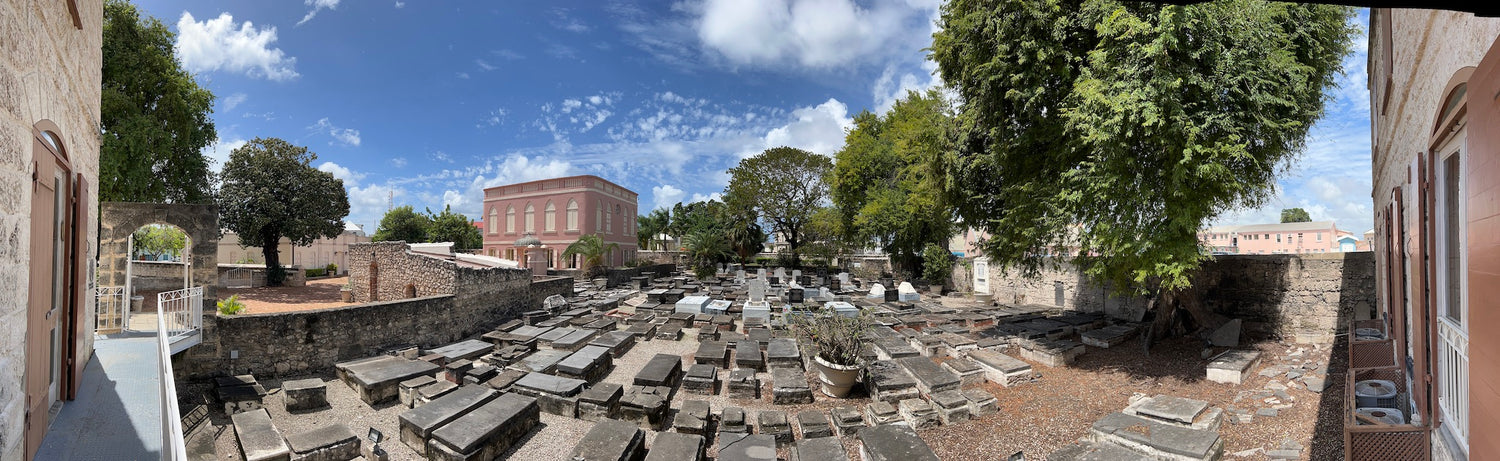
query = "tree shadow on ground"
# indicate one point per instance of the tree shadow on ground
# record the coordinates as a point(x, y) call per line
point(311, 293)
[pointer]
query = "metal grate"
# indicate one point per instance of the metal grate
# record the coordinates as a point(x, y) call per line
point(1372, 354)
point(1393, 442)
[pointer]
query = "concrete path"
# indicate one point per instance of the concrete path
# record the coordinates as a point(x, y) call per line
point(117, 414)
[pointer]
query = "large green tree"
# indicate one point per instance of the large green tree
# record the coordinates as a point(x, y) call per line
point(404, 224)
point(1295, 215)
point(153, 118)
point(650, 226)
point(783, 186)
point(271, 190)
point(1119, 129)
point(453, 227)
point(888, 180)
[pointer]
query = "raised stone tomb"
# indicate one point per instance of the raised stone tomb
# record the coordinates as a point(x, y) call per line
point(743, 384)
point(305, 394)
point(819, 449)
point(847, 420)
point(701, 379)
point(610, 440)
point(783, 353)
point(813, 423)
point(471, 349)
point(1000, 368)
point(712, 353)
point(259, 439)
point(486, 432)
point(542, 361)
point(919, 413)
point(555, 394)
point(376, 381)
point(600, 401)
point(789, 386)
point(590, 364)
point(931, 378)
point(417, 424)
point(775, 424)
point(732, 419)
point(952, 407)
point(1232, 366)
point(1155, 439)
point(334, 442)
point(746, 447)
point(692, 418)
point(1052, 353)
point(618, 342)
point(1108, 336)
point(889, 382)
point(747, 354)
point(661, 370)
point(671, 446)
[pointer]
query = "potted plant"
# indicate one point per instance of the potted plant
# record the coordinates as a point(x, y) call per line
point(835, 342)
point(347, 292)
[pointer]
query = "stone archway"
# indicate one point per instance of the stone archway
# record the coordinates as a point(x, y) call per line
point(117, 220)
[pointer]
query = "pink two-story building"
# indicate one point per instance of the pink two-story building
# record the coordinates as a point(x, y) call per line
point(1281, 238)
point(557, 212)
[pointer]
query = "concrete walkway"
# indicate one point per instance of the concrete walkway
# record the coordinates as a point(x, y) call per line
point(117, 414)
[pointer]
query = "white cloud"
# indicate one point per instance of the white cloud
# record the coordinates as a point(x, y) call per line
point(512, 169)
point(484, 65)
point(818, 129)
point(234, 100)
point(398, 162)
point(368, 204)
point(508, 54)
point(219, 151)
point(321, 5)
point(350, 177)
point(811, 33)
point(665, 195)
point(463, 75)
point(715, 196)
point(220, 44)
point(345, 136)
point(400, 4)
point(495, 117)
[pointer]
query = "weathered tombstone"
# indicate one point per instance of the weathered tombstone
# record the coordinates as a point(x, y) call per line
point(486, 432)
point(259, 439)
point(610, 440)
point(743, 384)
point(877, 291)
point(555, 394)
point(331, 442)
point(735, 446)
point(732, 419)
point(848, 420)
point(890, 442)
point(892, 295)
point(600, 401)
point(775, 424)
point(919, 413)
point(417, 424)
point(669, 446)
point(780, 273)
point(305, 394)
point(813, 423)
point(555, 303)
point(789, 386)
point(820, 449)
point(692, 418)
point(907, 292)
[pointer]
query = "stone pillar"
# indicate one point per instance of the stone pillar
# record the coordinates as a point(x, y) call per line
point(536, 260)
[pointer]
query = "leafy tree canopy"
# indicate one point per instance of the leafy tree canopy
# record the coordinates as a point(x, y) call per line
point(1295, 215)
point(1135, 123)
point(452, 227)
point(783, 186)
point(271, 191)
point(650, 226)
point(153, 118)
point(889, 178)
point(592, 249)
point(403, 224)
point(159, 240)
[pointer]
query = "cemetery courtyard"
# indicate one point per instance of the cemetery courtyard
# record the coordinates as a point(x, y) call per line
point(976, 381)
point(317, 294)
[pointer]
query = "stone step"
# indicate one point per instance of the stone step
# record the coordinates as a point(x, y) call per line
point(1156, 440)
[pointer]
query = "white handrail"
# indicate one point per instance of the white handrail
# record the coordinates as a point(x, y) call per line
point(172, 445)
point(181, 311)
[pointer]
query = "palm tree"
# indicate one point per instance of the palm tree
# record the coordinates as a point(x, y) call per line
point(651, 226)
point(707, 248)
point(593, 250)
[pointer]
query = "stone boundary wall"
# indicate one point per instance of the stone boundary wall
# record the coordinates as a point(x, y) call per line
point(156, 275)
point(393, 269)
point(1289, 295)
point(542, 287)
point(618, 276)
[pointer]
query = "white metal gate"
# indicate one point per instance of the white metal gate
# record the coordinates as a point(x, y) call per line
point(1453, 379)
point(111, 313)
point(181, 311)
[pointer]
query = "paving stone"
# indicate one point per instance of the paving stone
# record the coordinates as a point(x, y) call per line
point(1284, 454)
point(661, 370)
point(930, 377)
point(789, 386)
point(775, 424)
point(1231, 366)
point(747, 354)
point(743, 384)
point(418, 424)
point(258, 437)
point(919, 413)
point(746, 447)
point(600, 401)
point(331, 442)
point(847, 420)
point(981, 402)
point(732, 419)
point(952, 407)
point(889, 382)
point(813, 423)
point(819, 449)
point(610, 440)
point(1267, 412)
point(890, 442)
point(782, 352)
point(1314, 383)
point(671, 446)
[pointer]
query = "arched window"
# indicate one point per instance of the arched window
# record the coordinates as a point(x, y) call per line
point(510, 219)
point(617, 216)
point(598, 216)
point(572, 215)
point(530, 218)
point(551, 217)
point(494, 220)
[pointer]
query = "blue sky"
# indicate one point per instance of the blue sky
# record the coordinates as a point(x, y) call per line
point(434, 101)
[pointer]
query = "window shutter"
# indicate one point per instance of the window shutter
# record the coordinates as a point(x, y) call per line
point(83, 277)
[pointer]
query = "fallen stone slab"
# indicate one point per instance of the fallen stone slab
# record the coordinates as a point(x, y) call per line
point(1232, 366)
point(952, 407)
point(892, 442)
point(819, 449)
point(555, 394)
point(1000, 368)
point(732, 419)
point(661, 370)
point(775, 424)
point(610, 440)
point(600, 402)
point(931, 378)
point(334, 442)
point(259, 439)
point(981, 402)
point(692, 418)
point(670, 446)
point(783, 353)
point(789, 386)
point(417, 424)
point(305, 394)
point(506, 378)
point(1155, 439)
point(813, 423)
point(379, 383)
point(702, 379)
point(1106, 337)
point(743, 384)
point(919, 413)
point(487, 431)
point(746, 447)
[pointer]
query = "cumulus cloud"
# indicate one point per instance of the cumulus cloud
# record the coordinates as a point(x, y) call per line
point(400, 4)
point(221, 44)
point(345, 136)
point(369, 203)
point(350, 177)
point(218, 152)
point(324, 5)
point(234, 100)
point(819, 129)
point(811, 33)
point(665, 195)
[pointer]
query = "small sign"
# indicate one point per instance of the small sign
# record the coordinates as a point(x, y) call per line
point(375, 436)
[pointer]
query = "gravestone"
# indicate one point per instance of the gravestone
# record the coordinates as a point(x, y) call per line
point(775, 424)
point(332, 442)
point(847, 420)
point(661, 370)
point(610, 440)
point(670, 446)
point(889, 442)
point(931, 378)
point(600, 401)
point(819, 449)
point(732, 419)
point(701, 379)
point(555, 304)
point(747, 354)
point(952, 407)
point(888, 382)
point(782, 352)
point(908, 293)
point(789, 386)
point(305, 394)
point(877, 291)
point(981, 402)
point(813, 423)
point(258, 437)
point(919, 413)
point(746, 447)
point(555, 394)
point(881, 412)
point(743, 384)
point(692, 418)
point(417, 424)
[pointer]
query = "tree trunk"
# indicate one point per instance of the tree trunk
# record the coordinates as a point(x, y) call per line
point(1166, 304)
point(275, 275)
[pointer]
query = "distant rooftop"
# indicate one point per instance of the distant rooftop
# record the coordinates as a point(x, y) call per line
point(444, 251)
point(1276, 227)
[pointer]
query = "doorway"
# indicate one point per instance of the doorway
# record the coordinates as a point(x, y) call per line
point(52, 313)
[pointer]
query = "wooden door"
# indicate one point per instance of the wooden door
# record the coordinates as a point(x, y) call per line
point(49, 300)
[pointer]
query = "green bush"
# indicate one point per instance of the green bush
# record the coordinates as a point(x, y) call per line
point(231, 306)
point(937, 264)
point(332, 269)
point(763, 261)
point(318, 272)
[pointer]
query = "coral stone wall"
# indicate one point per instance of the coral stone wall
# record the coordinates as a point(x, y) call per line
point(381, 271)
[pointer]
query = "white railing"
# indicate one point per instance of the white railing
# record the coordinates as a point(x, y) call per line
point(172, 445)
point(1453, 380)
point(180, 311)
point(111, 314)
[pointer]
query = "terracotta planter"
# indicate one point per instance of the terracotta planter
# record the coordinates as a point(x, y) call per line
point(837, 379)
point(346, 295)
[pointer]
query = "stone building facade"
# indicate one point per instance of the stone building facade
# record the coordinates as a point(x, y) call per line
point(318, 254)
point(1433, 80)
point(557, 212)
point(50, 69)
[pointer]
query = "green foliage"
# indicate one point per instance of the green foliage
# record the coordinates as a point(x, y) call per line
point(763, 261)
point(839, 340)
point(160, 241)
point(331, 269)
point(153, 117)
point(937, 264)
point(1295, 215)
point(452, 227)
point(707, 248)
point(316, 272)
point(231, 306)
point(593, 250)
point(1121, 128)
point(272, 191)
point(403, 224)
point(648, 227)
point(888, 181)
point(783, 186)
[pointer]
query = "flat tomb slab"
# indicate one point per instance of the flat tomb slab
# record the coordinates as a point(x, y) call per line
point(701, 379)
point(889, 382)
point(1143, 434)
point(892, 442)
point(661, 370)
point(259, 439)
point(1169, 408)
point(735, 446)
point(471, 349)
point(789, 386)
point(618, 342)
point(417, 424)
point(782, 352)
point(487, 431)
point(541, 361)
point(931, 377)
point(747, 355)
point(610, 440)
point(819, 449)
point(892, 348)
point(575, 340)
point(672, 446)
point(1231, 366)
point(589, 363)
point(1108, 336)
point(1000, 368)
point(331, 442)
point(1052, 353)
point(713, 353)
point(379, 384)
point(692, 418)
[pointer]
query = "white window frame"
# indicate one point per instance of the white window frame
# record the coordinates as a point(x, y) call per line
point(1456, 146)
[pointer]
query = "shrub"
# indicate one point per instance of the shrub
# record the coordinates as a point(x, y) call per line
point(332, 269)
point(231, 306)
point(763, 261)
point(836, 338)
point(937, 264)
point(317, 272)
